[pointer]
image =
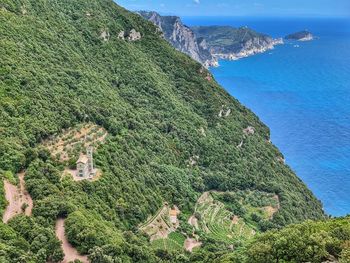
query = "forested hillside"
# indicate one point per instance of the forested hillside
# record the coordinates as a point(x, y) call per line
point(173, 133)
point(323, 241)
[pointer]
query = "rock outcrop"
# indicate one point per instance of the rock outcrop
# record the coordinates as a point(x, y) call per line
point(121, 35)
point(208, 44)
point(249, 130)
point(181, 37)
point(134, 35)
point(300, 36)
point(105, 35)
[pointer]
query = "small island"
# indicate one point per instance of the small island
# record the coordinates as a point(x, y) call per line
point(300, 36)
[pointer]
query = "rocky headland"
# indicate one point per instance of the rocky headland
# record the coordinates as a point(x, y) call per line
point(226, 42)
point(181, 37)
point(300, 36)
point(208, 44)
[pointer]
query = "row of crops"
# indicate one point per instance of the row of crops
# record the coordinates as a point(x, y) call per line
point(174, 242)
point(216, 221)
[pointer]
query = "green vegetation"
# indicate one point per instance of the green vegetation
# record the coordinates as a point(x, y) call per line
point(28, 240)
point(154, 102)
point(306, 242)
point(255, 207)
point(227, 39)
point(174, 243)
point(217, 222)
point(233, 217)
point(68, 145)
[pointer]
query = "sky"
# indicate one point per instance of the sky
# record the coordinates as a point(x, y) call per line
point(321, 8)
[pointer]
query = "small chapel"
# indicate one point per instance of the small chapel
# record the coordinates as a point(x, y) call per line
point(85, 164)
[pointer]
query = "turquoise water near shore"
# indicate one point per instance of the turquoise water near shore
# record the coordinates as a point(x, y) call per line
point(303, 95)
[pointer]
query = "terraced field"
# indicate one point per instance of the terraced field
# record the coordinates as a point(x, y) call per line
point(174, 242)
point(70, 143)
point(219, 223)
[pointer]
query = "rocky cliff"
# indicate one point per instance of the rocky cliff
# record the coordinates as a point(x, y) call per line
point(207, 44)
point(181, 37)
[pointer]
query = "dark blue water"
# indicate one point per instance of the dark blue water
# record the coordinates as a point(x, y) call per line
point(303, 95)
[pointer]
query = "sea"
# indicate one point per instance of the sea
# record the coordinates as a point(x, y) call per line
point(301, 90)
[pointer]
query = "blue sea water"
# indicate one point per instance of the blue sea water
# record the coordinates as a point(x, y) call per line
point(303, 95)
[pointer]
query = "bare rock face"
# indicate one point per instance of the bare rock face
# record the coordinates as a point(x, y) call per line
point(249, 130)
point(105, 35)
point(181, 37)
point(121, 35)
point(134, 35)
point(281, 160)
point(23, 10)
point(193, 160)
point(208, 44)
point(202, 131)
point(224, 112)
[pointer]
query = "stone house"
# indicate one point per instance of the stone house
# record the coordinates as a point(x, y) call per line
point(85, 164)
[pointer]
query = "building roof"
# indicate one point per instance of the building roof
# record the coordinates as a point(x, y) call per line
point(173, 212)
point(82, 159)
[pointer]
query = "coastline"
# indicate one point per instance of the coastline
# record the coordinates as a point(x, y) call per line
point(304, 105)
point(246, 53)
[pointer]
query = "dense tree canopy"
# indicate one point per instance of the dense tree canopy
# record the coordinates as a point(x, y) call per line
point(62, 64)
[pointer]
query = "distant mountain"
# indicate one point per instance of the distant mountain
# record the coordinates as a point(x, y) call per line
point(207, 44)
point(300, 36)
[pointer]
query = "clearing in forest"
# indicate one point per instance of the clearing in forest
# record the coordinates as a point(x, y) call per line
point(192, 243)
point(160, 226)
point(73, 145)
point(216, 221)
point(73, 141)
point(70, 253)
point(162, 229)
point(19, 200)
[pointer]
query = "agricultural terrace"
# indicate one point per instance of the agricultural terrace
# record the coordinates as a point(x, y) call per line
point(231, 216)
point(174, 242)
point(68, 145)
point(159, 225)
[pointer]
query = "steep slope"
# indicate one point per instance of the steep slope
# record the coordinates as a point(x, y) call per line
point(208, 44)
point(227, 42)
point(64, 63)
point(181, 37)
point(322, 241)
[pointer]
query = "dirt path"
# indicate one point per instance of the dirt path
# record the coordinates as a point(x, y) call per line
point(70, 253)
point(16, 198)
point(191, 243)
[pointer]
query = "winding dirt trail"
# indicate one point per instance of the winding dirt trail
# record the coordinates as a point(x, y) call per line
point(70, 253)
point(16, 198)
